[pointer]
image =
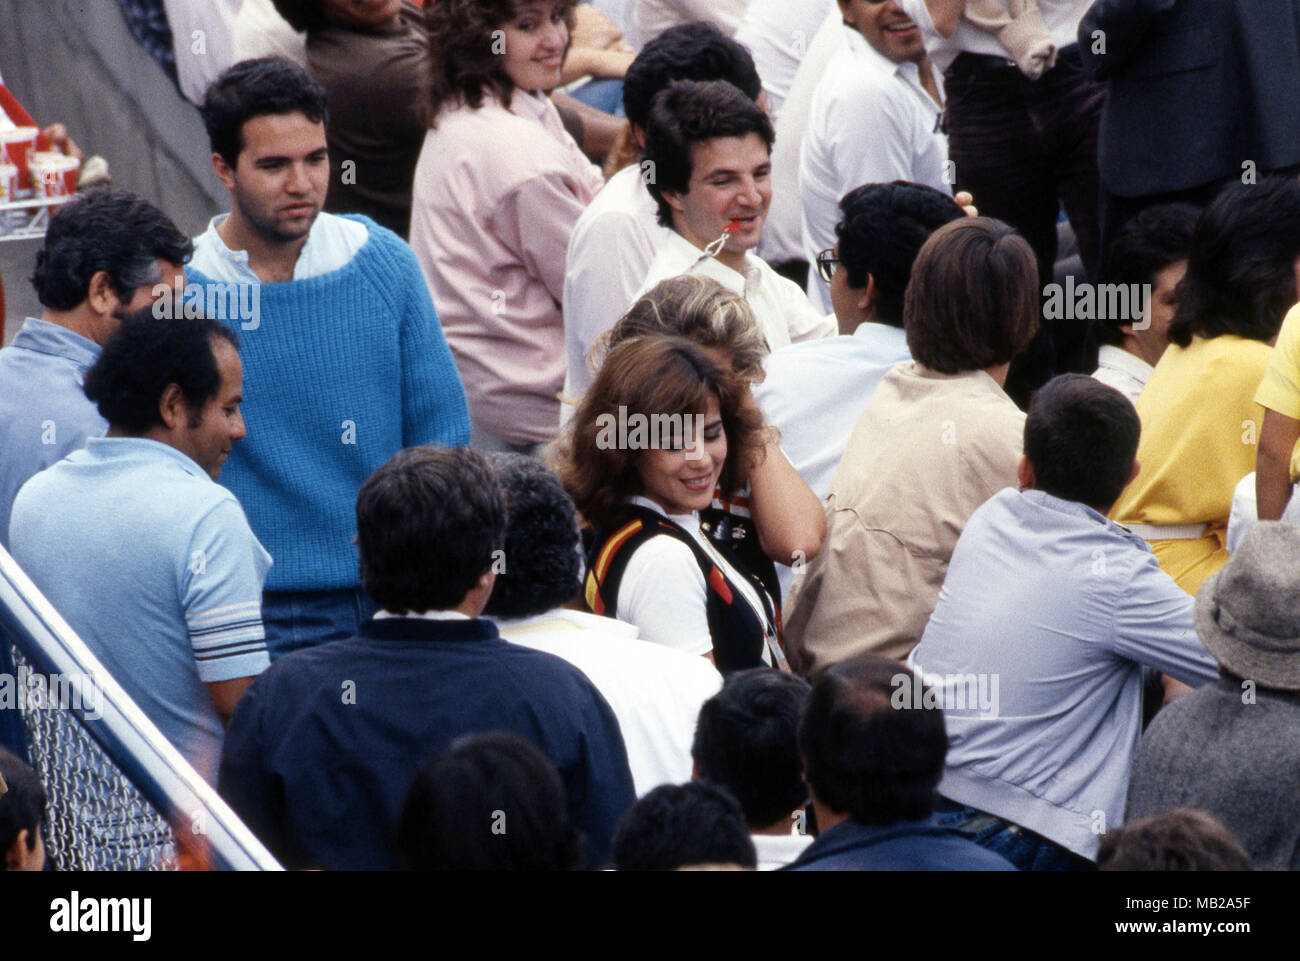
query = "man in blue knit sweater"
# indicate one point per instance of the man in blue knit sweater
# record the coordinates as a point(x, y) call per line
point(344, 359)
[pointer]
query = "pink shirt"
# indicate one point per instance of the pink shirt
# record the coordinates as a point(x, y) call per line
point(497, 193)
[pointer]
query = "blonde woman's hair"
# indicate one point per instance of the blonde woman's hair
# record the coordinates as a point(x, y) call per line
point(704, 312)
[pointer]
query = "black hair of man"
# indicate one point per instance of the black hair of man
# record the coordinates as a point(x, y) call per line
point(488, 802)
point(543, 547)
point(747, 741)
point(689, 112)
point(688, 51)
point(1241, 268)
point(110, 230)
point(255, 88)
point(881, 230)
point(1181, 839)
point(429, 522)
point(147, 354)
point(681, 826)
point(865, 756)
point(1147, 244)
point(1081, 437)
point(22, 803)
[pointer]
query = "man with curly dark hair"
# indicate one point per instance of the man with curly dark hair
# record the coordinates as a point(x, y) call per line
point(150, 562)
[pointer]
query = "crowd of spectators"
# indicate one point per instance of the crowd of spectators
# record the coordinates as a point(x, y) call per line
point(484, 491)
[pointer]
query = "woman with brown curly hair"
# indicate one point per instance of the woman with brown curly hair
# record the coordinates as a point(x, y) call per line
point(659, 431)
point(498, 188)
point(776, 518)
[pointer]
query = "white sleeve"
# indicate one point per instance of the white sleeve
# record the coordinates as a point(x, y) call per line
point(805, 321)
point(663, 594)
point(607, 262)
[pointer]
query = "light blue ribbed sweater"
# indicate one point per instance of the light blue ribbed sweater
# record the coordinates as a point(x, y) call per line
point(341, 372)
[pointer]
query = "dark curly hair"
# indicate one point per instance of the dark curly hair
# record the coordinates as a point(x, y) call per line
point(1147, 244)
point(652, 377)
point(428, 522)
point(464, 51)
point(255, 88)
point(688, 51)
point(1241, 268)
point(110, 230)
point(747, 740)
point(881, 230)
point(144, 357)
point(543, 561)
point(688, 112)
point(681, 826)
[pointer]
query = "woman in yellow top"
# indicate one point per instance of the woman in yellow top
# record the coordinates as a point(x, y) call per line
point(1200, 422)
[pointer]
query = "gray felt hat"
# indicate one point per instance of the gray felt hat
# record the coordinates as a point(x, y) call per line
point(1248, 612)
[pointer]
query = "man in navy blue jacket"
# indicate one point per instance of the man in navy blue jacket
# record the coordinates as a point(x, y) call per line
point(324, 746)
point(873, 753)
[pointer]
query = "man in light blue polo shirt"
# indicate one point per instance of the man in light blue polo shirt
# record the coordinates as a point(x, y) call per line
point(814, 391)
point(151, 562)
point(106, 254)
point(1048, 615)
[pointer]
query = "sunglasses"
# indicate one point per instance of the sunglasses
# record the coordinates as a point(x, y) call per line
point(826, 262)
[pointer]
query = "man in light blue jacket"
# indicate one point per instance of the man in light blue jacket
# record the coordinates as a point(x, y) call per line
point(1048, 615)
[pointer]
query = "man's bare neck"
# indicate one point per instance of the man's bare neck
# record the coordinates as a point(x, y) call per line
point(272, 262)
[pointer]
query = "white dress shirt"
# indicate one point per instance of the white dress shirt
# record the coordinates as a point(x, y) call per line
point(871, 121)
point(778, 34)
point(783, 232)
point(783, 311)
point(610, 251)
point(655, 692)
point(1126, 372)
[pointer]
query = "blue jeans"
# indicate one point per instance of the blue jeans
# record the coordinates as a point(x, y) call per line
point(1023, 848)
point(298, 619)
point(604, 94)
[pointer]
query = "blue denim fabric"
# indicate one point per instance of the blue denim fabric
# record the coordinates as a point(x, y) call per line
point(605, 94)
point(298, 619)
point(1023, 848)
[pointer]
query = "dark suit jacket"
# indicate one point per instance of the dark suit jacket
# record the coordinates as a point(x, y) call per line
point(1197, 87)
point(324, 745)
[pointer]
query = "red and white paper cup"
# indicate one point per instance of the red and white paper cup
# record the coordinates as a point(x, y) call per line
point(16, 146)
point(8, 182)
point(53, 174)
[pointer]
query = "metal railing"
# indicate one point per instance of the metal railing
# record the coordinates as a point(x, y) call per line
point(121, 797)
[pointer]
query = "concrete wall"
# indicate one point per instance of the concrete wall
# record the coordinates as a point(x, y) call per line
point(75, 62)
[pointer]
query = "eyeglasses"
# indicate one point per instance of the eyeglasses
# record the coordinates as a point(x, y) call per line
point(826, 262)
